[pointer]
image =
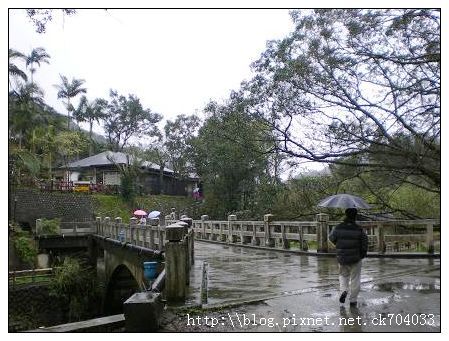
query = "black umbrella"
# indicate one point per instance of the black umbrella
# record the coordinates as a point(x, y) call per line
point(343, 201)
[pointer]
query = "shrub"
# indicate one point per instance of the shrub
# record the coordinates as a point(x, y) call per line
point(25, 248)
point(75, 283)
point(50, 226)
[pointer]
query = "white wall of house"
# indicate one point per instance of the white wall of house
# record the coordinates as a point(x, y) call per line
point(111, 178)
point(74, 176)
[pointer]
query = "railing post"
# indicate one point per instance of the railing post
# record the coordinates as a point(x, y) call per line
point(192, 247)
point(231, 237)
point(38, 226)
point(137, 230)
point(285, 242)
point(118, 222)
point(254, 240)
point(430, 239)
point(160, 237)
point(190, 241)
point(322, 228)
point(98, 225)
point(267, 218)
point(204, 283)
point(204, 217)
point(107, 226)
point(132, 228)
point(380, 239)
point(144, 236)
point(175, 262)
point(301, 237)
point(221, 236)
point(152, 242)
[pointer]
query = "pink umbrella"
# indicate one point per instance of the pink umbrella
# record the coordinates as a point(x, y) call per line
point(140, 213)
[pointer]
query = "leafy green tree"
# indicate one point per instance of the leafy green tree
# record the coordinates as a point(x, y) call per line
point(158, 153)
point(70, 144)
point(230, 157)
point(355, 87)
point(129, 173)
point(126, 118)
point(44, 145)
point(69, 90)
point(178, 137)
point(37, 56)
point(299, 198)
point(24, 166)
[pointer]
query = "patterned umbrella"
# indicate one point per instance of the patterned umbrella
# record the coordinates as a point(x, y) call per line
point(343, 201)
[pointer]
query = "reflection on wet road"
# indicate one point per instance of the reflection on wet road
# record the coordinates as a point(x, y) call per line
point(397, 295)
point(242, 273)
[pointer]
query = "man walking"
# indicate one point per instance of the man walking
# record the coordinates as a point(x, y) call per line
point(351, 243)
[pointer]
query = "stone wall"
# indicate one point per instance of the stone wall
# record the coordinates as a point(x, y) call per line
point(34, 204)
point(30, 307)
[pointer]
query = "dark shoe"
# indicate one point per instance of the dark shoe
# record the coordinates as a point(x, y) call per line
point(353, 304)
point(343, 296)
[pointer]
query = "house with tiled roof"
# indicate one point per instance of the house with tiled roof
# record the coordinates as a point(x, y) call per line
point(103, 171)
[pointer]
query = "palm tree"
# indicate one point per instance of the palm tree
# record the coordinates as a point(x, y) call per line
point(90, 112)
point(69, 90)
point(37, 56)
point(13, 69)
point(25, 109)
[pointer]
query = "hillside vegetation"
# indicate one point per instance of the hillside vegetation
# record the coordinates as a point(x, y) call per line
point(114, 206)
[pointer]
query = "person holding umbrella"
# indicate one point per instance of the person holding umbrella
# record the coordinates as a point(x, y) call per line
point(351, 243)
point(141, 214)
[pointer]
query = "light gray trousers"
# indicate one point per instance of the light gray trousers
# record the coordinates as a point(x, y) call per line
point(349, 277)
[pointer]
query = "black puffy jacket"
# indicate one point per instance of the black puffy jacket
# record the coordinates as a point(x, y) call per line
point(351, 242)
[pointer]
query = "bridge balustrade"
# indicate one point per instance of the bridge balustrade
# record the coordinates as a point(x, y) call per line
point(74, 228)
point(386, 236)
point(144, 235)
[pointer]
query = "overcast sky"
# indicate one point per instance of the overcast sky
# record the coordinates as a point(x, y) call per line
point(175, 61)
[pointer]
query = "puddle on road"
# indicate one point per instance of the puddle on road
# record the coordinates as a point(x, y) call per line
point(237, 272)
point(423, 288)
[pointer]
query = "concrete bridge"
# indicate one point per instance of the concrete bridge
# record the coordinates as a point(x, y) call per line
point(121, 249)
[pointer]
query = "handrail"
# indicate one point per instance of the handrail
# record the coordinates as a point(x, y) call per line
point(30, 273)
point(270, 232)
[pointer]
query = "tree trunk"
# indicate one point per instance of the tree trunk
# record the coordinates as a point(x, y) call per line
point(91, 152)
point(49, 166)
point(161, 179)
point(68, 113)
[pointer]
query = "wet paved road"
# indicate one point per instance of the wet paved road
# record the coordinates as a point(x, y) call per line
point(300, 293)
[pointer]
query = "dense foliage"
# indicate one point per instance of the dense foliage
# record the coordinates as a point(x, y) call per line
point(50, 226)
point(25, 248)
point(75, 283)
point(356, 90)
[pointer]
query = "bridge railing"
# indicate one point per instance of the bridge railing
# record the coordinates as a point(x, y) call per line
point(390, 236)
point(75, 228)
point(175, 239)
point(24, 277)
point(148, 235)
